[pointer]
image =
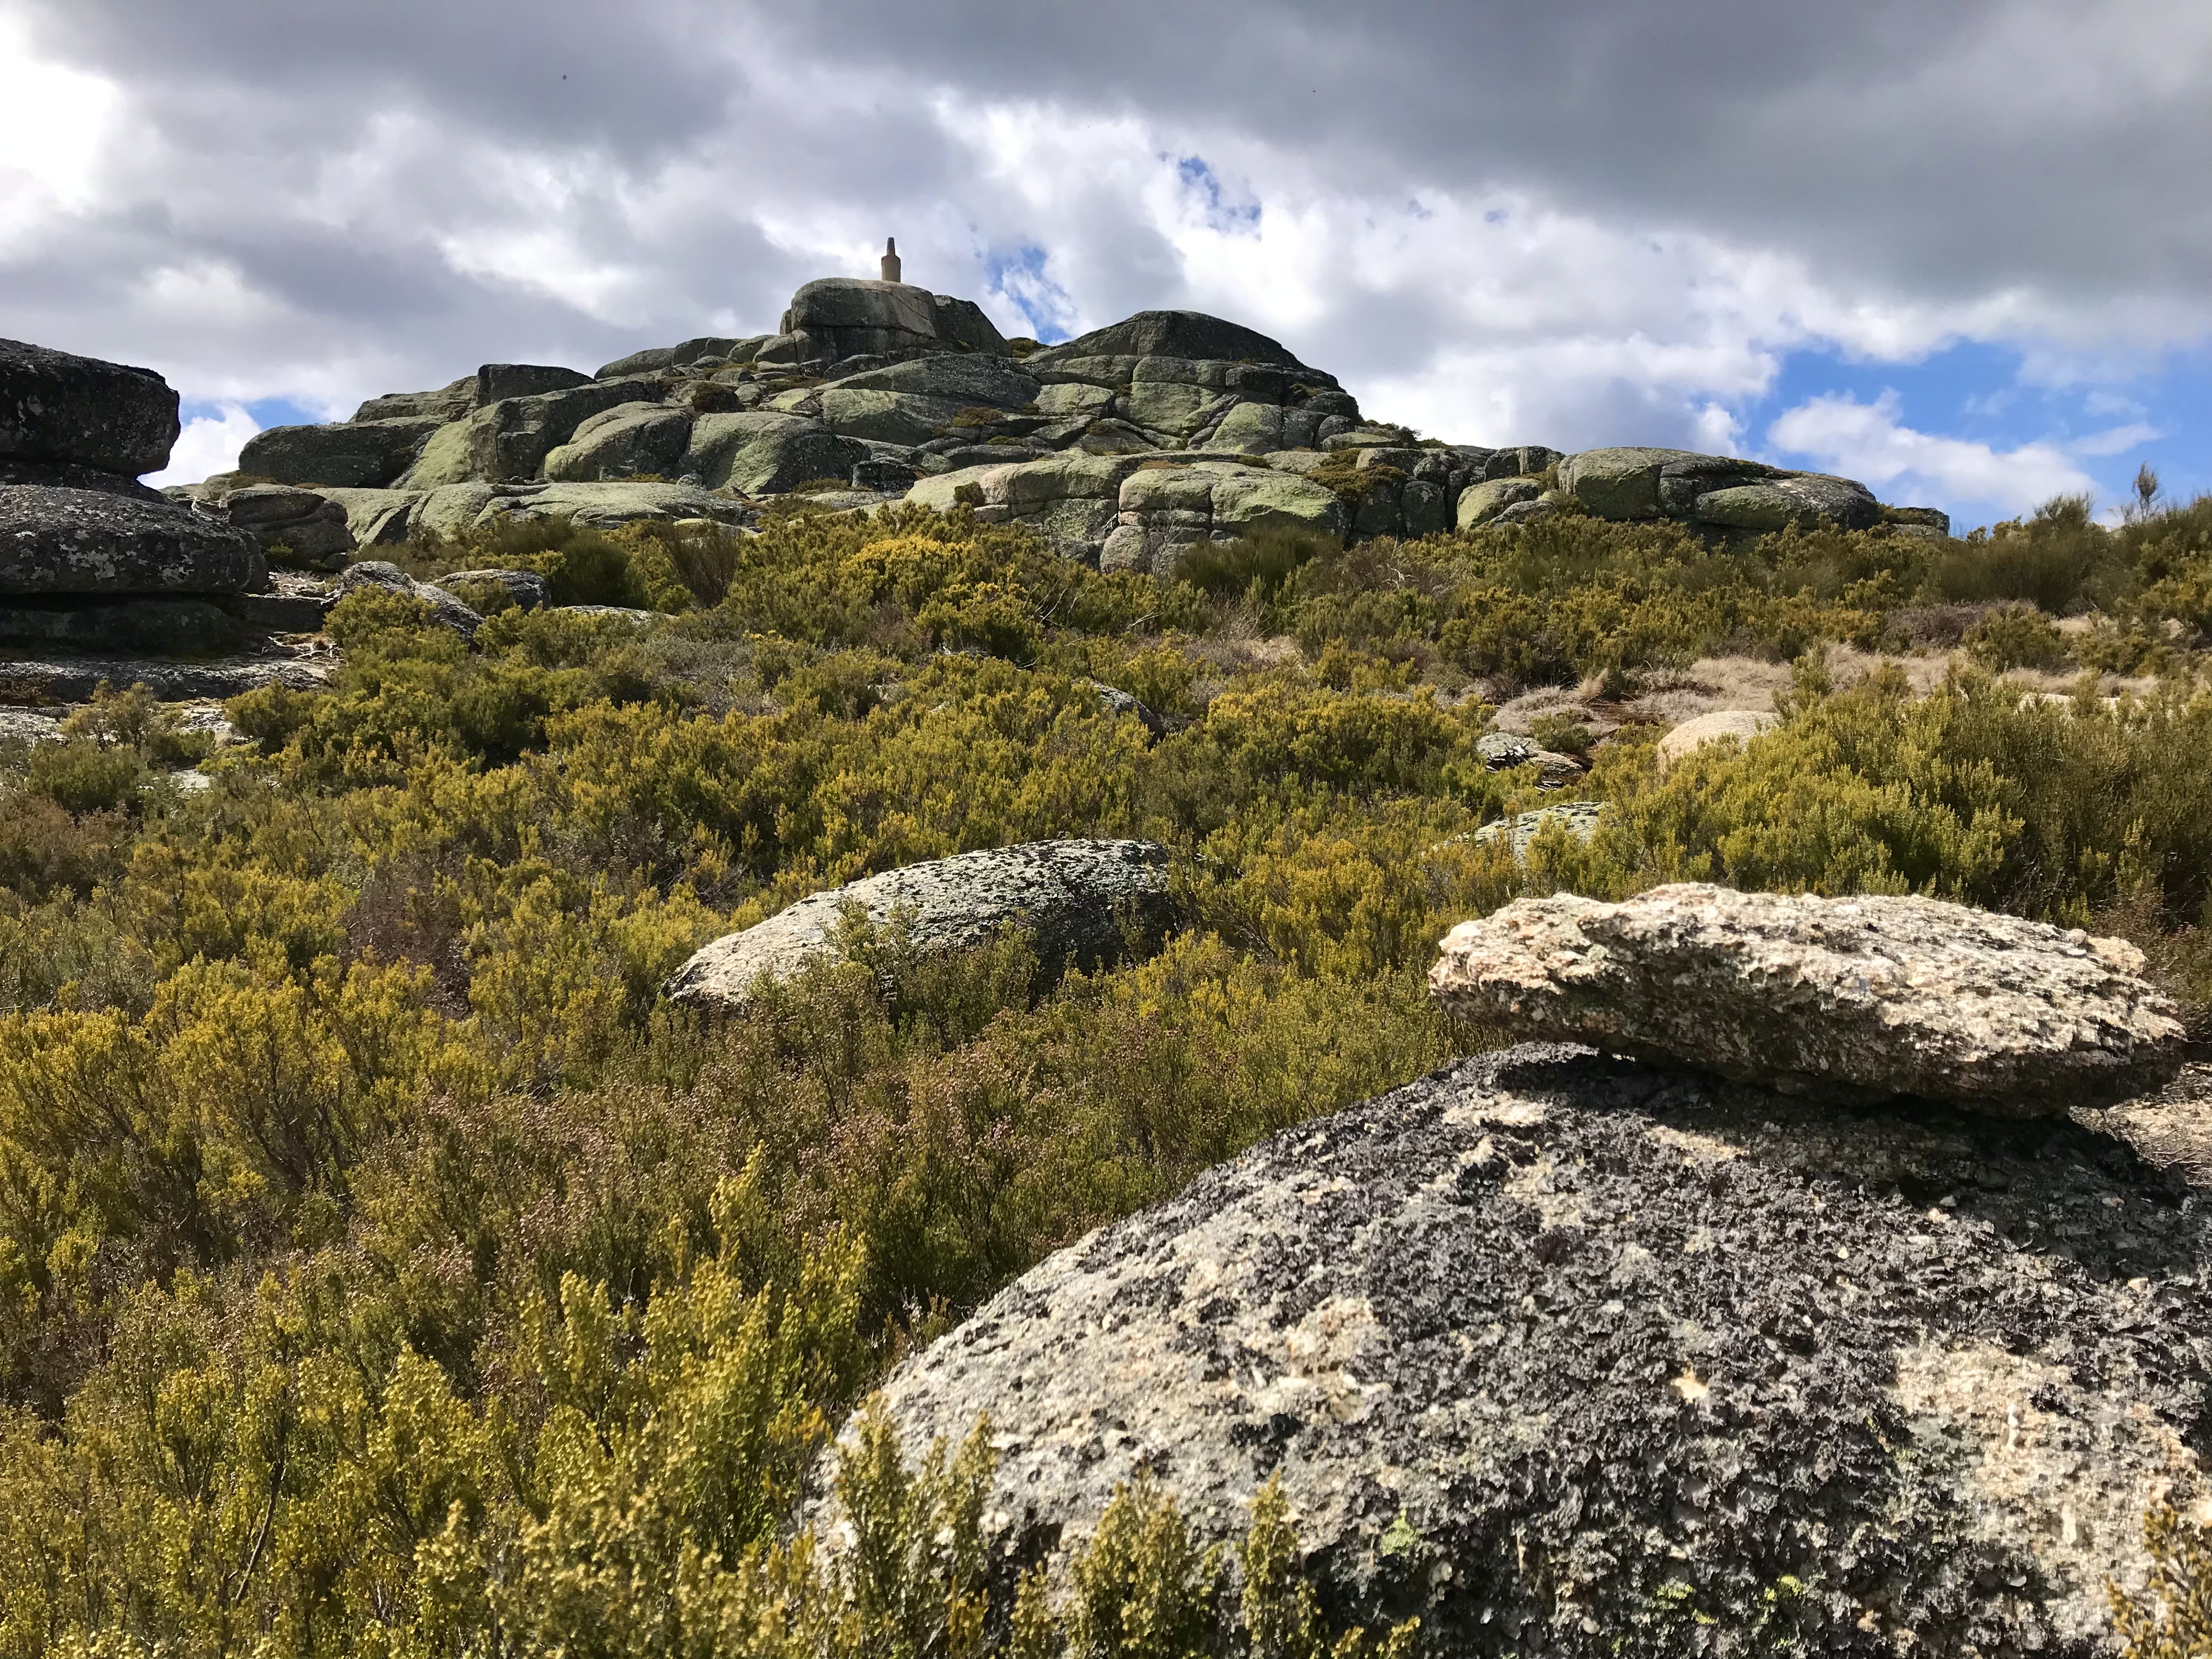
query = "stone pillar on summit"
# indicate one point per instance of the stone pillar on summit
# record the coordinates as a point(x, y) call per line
point(891, 260)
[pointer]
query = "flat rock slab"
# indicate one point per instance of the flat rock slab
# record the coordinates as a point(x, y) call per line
point(1579, 1356)
point(1075, 896)
point(1851, 998)
point(55, 406)
point(43, 682)
point(87, 541)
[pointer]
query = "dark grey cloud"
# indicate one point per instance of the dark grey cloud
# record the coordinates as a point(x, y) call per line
point(1584, 214)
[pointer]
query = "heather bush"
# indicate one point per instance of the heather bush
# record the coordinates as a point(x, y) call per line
point(386, 1268)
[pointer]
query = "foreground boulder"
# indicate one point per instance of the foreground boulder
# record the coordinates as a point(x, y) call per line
point(58, 408)
point(1081, 899)
point(1578, 1356)
point(95, 542)
point(445, 610)
point(1862, 997)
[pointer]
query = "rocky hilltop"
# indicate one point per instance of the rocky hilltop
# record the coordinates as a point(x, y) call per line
point(1121, 447)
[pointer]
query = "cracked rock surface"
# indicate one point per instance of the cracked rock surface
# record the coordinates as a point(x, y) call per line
point(1860, 997)
point(1571, 1354)
point(1074, 896)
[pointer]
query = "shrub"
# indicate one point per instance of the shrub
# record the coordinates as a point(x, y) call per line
point(2015, 636)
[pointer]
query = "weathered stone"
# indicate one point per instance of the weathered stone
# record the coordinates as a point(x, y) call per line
point(608, 506)
point(1191, 335)
point(495, 381)
point(1859, 998)
point(1721, 726)
point(446, 610)
point(76, 677)
point(350, 455)
point(1807, 502)
point(443, 461)
point(649, 361)
point(1619, 483)
point(1580, 1357)
point(294, 526)
point(786, 455)
point(1500, 749)
point(960, 324)
point(1080, 899)
point(524, 590)
point(1120, 703)
point(69, 475)
point(1577, 817)
point(895, 418)
point(377, 518)
point(510, 439)
point(615, 443)
point(836, 317)
point(160, 627)
point(1479, 503)
point(452, 401)
point(81, 541)
point(58, 407)
point(1917, 518)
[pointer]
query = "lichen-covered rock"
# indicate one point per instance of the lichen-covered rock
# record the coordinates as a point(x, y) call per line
point(603, 506)
point(445, 610)
point(1852, 997)
point(1582, 1357)
point(376, 518)
point(510, 438)
point(55, 406)
point(1724, 491)
point(74, 677)
point(451, 402)
point(1577, 817)
point(294, 526)
point(354, 454)
point(525, 590)
point(84, 541)
point(1081, 899)
point(1072, 499)
point(183, 627)
point(1479, 503)
point(618, 442)
point(1721, 726)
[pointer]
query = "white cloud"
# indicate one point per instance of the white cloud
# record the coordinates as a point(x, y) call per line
point(1868, 443)
point(209, 444)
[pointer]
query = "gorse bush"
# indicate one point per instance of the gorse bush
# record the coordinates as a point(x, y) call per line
point(385, 1267)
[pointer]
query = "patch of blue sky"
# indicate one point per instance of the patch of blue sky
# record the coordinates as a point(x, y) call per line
point(1019, 276)
point(1221, 210)
point(1976, 394)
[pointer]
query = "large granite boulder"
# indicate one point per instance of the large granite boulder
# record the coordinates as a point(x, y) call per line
point(836, 317)
point(1720, 725)
point(1071, 499)
point(1578, 1357)
point(351, 454)
point(1166, 510)
point(1082, 900)
point(1720, 491)
point(59, 407)
point(84, 541)
point(294, 526)
point(510, 439)
point(1861, 997)
point(1183, 380)
point(451, 402)
point(376, 518)
point(596, 506)
point(618, 442)
point(445, 610)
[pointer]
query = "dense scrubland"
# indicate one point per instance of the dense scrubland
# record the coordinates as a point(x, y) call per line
point(385, 1269)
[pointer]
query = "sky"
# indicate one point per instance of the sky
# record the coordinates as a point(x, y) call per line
point(1961, 252)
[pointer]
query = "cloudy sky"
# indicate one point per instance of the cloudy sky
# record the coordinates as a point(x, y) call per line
point(1961, 252)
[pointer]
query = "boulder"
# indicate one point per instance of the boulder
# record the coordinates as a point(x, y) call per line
point(525, 590)
point(1081, 899)
point(1721, 726)
point(1500, 749)
point(1165, 510)
point(495, 381)
point(605, 506)
point(793, 453)
point(376, 518)
point(446, 610)
point(511, 438)
point(1185, 334)
point(451, 402)
point(1582, 1356)
point(1120, 703)
point(630, 438)
point(1577, 817)
point(648, 361)
point(1855, 999)
point(58, 407)
point(1721, 490)
point(351, 454)
point(1520, 461)
point(1071, 499)
point(834, 317)
point(76, 677)
point(157, 627)
point(70, 475)
point(82, 541)
point(294, 526)
point(1479, 503)
point(962, 324)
